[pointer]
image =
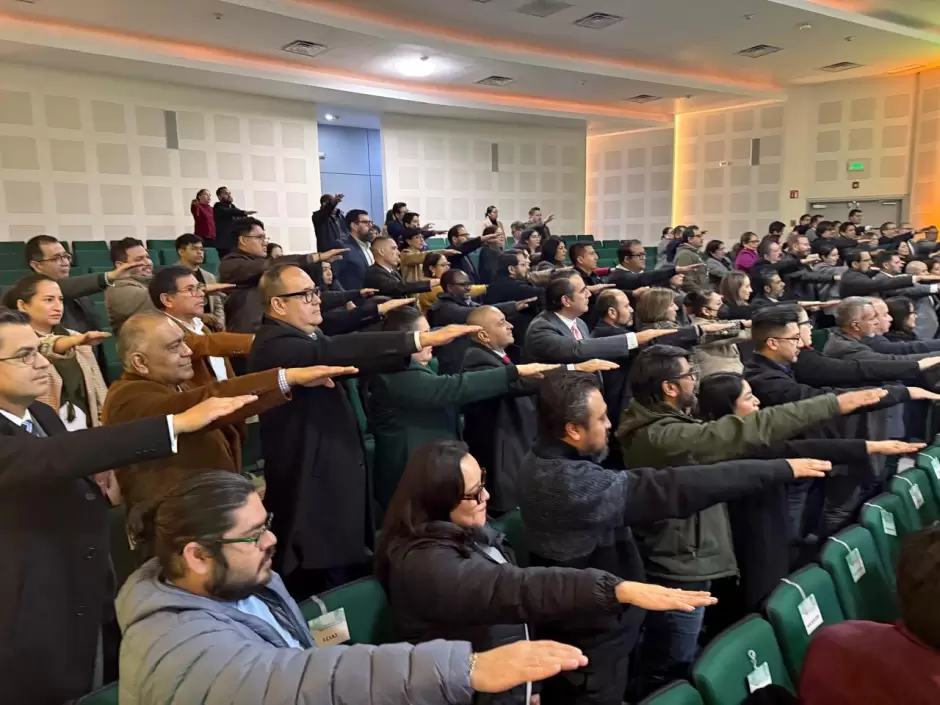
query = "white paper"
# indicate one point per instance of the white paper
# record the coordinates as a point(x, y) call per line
point(809, 612)
point(759, 678)
point(856, 564)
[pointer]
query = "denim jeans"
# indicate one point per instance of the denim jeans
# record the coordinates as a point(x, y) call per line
point(670, 640)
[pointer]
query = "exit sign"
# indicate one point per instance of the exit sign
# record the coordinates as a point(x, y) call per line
point(856, 166)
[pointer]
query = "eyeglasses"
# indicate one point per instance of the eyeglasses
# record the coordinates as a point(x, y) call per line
point(255, 537)
point(194, 290)
point(307, 295)
point(364, 222)
point(26, 357)
point(478, 495)
point(58, 259)
point(635, 255)
point(794, 339)
point(691, 374)
point(256, 237)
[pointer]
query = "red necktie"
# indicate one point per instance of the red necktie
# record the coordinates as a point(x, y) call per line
point(576, 332)
point(506, 358)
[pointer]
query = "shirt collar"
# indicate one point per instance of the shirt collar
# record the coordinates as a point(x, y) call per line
point(196, 326)
point(567, 321)
point(16, 419)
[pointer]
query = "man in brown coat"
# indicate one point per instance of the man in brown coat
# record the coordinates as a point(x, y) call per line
point(158, 379)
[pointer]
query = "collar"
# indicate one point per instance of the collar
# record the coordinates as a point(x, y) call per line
point(387, 269)
point(16, 420)
point(771, 363)
point(567, 321)
point(623, 269)
point(551, 448)
point(196, 326)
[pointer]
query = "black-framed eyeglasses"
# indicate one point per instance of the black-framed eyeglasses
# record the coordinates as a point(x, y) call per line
point(24, 357)
point(691, 374)
point(307, 295)
point(636, 255)
point(255, 537)
point(478, 495)
point(256, 237)
point(58, 259)
point(194, 290)
point(793, 339)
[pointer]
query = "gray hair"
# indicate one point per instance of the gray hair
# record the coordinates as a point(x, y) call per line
point(850, 310)
point(135, 331)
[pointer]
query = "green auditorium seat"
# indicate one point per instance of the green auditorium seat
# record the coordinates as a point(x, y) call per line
point(89, 246)
point(94, 258)
point(437, 243)
point(677, 693)
point(108, 695)
point(252, 460)
point(721, 672)
point(929, 462)
point(888, 522)
point(367, 612)
point(917, 496)
point(510, 524)
point(569, 239)
point(795, 622)
point(212, 260)
point(13, 249)
point(868, 595)
point(8, 278)
point(368, 440)
point(585, 238)
point(161, 245)
point(819, 338)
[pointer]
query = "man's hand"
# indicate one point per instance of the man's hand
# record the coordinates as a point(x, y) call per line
point(645, 336)
point(489, 238)
point(317, 376)
point(435, 282)
point(217, 288)
point(447, 334)
point(366, 293)
point(392, 304)
point(893, 447)
point(331, 255)
point(211, 322)
point(685, 269)
point(124, 270)
point(549, 219)
point(337, 198)
point(918, 394)
point(928, 362)
point(660, 599)
point(208, 411)
point(596, 366)
point(505, 667)
point(534, 369)
point(640, 291)
point(810, 260)
point(850, 401)
point(250, 212)
point(596, 288)
point(806, 467)
point(451, 253)
point(525, 303)
point(716, 327)
point(926, 278)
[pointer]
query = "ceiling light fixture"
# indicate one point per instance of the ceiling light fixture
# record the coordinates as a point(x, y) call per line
point(415, 67)
point(331, 116)
point(806, 25)
point(495, 81)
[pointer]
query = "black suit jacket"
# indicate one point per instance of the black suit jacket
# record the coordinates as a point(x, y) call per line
point(55, 583)
point(489, 263)
point(391, 283)
point(463, 261)
point(224, 214)
point(628, 281)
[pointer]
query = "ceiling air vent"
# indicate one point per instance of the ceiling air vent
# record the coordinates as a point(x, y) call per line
point(305, 48)
point(543, 8)
point(643, 98)
point(759, 50)
point(841, 66)
point(598, 20)
point(495, 81)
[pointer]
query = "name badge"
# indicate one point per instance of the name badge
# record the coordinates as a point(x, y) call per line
point(810, 614)
point(887, 523)
point(916, 496)
point(329, 629)
point(856, 564)
point(759, 678)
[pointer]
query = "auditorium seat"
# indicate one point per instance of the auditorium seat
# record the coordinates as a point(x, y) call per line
point(510, 524)
point(720, 674)
point(874, 516)
point(913, 488)
point(784, 613)
point(929, 462)
point(368, 615)
point(869, 596)
point(108, 695)
point(677, 693)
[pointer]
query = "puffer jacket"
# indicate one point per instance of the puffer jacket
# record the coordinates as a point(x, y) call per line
point(697, 279)
point(700, 547)
point(183, 648)
point(719, 354)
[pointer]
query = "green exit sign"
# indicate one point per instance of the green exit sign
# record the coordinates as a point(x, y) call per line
point(856, 166)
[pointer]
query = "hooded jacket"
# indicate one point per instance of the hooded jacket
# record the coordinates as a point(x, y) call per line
point(181, 647)
point(700, 547)
point(697, 279)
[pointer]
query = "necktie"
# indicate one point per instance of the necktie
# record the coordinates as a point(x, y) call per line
point(576, 332)
point(30, 427)
point(505, 358)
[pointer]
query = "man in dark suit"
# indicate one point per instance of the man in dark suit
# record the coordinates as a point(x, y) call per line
point(225, 213)
point(630, 274)
point(559, 335)
point(317, 485)
point(512, 283)
point(459, 239)
point(55, 591)
point(384, 276)
point(352, 270)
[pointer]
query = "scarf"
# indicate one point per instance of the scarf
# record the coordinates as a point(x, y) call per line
point(73, 382)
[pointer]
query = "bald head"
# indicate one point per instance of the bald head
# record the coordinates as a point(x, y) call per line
point(290, 295)
point(496, 331)
point(153, 347)
point(385, 251)
point(916, 268)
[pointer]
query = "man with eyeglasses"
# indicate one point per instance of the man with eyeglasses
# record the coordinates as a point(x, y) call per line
point(630, 275)
point(129, 295)
point(244, 266)
point(192, 255)
point(158, 378)
point(351, 272)
point(315, 466)
point(55, 591)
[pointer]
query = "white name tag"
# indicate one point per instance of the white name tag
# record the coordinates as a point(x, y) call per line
point(887, 523)
point(856, 564)
point(329, 629)
point(809, 612)
point(759, 678)
point(916, 496)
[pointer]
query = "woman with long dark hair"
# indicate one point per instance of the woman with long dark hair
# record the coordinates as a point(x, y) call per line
point(203, 218)
point(448, 575)
point(553, 254)
point(903, 319)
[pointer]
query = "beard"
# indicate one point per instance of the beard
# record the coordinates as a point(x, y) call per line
point(221, 586)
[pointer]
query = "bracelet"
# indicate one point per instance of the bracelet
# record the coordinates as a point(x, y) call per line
point(473, 663)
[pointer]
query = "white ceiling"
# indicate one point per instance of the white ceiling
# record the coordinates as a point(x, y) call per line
point(563, 74)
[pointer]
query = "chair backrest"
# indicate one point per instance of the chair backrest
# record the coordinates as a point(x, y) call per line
point(108, 695)
point(89, 246)
point(877, 516)
point(914, 489)
point(870, 596)
point(789, 609)
point(510, 524)
point(676, 693)
point(721, 672)
point(368, 615)
point(929, 462)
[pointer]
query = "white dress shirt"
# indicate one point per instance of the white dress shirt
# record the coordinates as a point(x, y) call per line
point(366, 250)
point(20, 421)
point(197, 327)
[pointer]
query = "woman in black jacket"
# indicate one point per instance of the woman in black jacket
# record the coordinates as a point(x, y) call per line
point(449, 575)
point(903, 320)
point(759, 522)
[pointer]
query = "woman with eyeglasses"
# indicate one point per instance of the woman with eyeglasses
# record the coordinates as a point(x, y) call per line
point(433, 267)
point(449, 575)
point(722, 354)
point(717, 262)
point(746, 254)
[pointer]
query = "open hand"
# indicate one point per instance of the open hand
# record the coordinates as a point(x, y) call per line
point(918, 394)
point(807, 467)
point(596, 366)
point(658, 598)
point(331, 255)
point(392, 304)
point(850, 401)
point(92, 337)
point(447, 334)
point(505, 667)
point(317, 375)
point(893, 447)
point(534, 369)
point(490, 238)
point(368, 292)
point(122, 271)
point(645, 336)
point(716, 327)
point(208, 411)
point(217, 287)
point(685, 269)
point(595, 288)
point(525, 303)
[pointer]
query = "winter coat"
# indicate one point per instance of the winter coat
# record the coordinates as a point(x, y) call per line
point(697, 279)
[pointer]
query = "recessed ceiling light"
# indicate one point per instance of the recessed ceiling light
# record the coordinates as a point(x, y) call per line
point(643, 98)
point(415, 66)
point(303, 48)
point(495, 81)
point(850, 38)
point(806, 25)
point(331, 116)
point(598, 20)
point(759, 50)
point(841, 66)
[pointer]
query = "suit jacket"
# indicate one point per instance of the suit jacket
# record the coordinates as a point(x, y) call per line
point(243, 307)
point(216, 447)
point(628, 281)
point(127, 297)
point(489, 263)
point(351, 270)
point(55, 584)
point(500, 430)
point(224, 214)
point(463, 261)
point(854, 283)
point(224, 345)
point(314, 461)
point(549, 340)
point(390, 283)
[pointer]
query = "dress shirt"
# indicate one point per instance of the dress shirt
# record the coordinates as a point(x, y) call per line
point(197, 327)
point(366, 251)
point(632, 342)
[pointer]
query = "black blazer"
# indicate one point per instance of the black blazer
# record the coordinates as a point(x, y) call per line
point(463, 261)
point(628, 281)
point(56, 583)
point(391, 283)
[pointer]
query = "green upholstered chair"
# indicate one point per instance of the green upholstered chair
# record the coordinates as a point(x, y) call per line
point(368, 615)
point(871, 596)
point(677, 693)
point(909, 484)
point(876, 516)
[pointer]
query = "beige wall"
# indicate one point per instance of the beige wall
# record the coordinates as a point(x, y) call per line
point(925, 205)
point(85, 157)
point(629, 185)
point(443, 170)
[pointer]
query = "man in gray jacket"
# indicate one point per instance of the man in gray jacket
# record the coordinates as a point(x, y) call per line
point(207, 621)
